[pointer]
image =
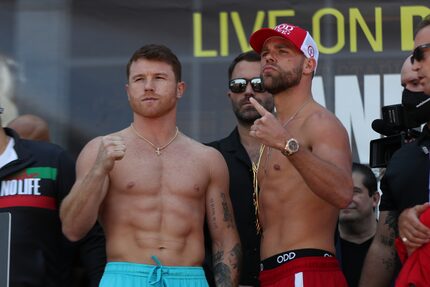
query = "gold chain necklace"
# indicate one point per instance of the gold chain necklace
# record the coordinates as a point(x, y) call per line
point(285, 125)
point(256, 166)
point(297, 112)
point(158, 149)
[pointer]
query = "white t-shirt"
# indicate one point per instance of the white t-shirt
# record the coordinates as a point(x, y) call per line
point(9, 153)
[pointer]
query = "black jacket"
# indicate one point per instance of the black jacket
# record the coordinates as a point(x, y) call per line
point(32, 188)
point(406, 180)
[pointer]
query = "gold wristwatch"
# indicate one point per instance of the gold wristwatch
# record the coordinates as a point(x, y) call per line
point(291, 147)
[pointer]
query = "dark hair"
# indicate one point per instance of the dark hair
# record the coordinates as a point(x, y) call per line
point(157, 53)
point(424, 23)
point(250, 56)
point(369, 181)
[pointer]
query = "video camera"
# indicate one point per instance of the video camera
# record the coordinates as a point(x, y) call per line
point(399, 125)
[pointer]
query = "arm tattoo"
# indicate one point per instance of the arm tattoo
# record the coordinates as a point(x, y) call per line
point(228, 218)
point(212, 212)
point(388, 239)
point(236, 256)
point(391, 224)
point(221, 271)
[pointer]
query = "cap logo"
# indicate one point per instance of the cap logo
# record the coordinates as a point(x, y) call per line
point(311, 51)
point(284, 29)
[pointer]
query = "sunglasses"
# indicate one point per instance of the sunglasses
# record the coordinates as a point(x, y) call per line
point(239, 85)
point(418, 54)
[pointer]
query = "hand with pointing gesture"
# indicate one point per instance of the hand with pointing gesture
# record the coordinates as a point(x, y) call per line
point(268, 129)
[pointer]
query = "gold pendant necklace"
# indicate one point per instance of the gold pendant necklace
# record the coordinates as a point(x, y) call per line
point(269, 150)
point(158, 149)
point(256, 166)
point(256, 193)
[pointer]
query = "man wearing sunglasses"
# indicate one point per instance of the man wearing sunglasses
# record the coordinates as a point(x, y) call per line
point(405, 182)
point(304, 171)
point(412, 231)
point(421, 56)
point(240, 150)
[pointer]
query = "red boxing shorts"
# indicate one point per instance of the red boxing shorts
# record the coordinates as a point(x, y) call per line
point(302, 268)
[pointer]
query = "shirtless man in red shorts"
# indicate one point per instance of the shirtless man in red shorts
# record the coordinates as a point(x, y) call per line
point(304, 171)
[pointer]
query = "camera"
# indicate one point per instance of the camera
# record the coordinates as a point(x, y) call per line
point(399, 125)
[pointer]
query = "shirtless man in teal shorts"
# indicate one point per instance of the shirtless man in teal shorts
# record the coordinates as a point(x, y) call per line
point(151, 187)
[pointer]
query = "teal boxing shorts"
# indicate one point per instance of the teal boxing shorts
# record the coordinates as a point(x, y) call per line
point(125, 274)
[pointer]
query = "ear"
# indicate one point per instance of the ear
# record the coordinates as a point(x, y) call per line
point(375, 199)
point(309, 66)
point(180, 89)
point(127, 91)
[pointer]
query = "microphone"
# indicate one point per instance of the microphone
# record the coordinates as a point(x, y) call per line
point(381, 127)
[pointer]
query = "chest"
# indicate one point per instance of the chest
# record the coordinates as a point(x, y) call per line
point(176, 172)
point(274, 166)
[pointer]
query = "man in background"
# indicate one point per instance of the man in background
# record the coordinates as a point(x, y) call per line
point(413, 232)
point(405, 182)
point(357, 223)
point(240, 150)
point(35, 176)
point(30, 127)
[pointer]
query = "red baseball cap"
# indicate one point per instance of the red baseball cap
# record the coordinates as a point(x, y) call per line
point(296, 35)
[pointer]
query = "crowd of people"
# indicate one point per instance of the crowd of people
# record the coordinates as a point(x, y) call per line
point(278, 202)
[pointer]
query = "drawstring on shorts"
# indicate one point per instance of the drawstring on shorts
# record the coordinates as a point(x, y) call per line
point(158, 272)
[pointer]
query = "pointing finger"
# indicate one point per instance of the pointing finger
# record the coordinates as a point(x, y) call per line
point(260, 109)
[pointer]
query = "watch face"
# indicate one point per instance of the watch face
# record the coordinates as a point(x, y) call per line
point(293, 145)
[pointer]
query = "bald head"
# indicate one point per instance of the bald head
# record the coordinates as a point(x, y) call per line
point(30, 127)
point(409, 78)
